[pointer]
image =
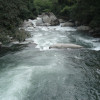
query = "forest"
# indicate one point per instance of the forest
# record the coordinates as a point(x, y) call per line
point(14, 12)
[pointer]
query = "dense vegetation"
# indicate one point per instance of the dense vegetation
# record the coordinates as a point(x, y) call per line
point(13, 12)
point(85, 11)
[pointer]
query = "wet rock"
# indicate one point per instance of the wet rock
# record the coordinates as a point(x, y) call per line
point(77, 23)
point(61, 21)
point(47, 19)
point(54, 22)
point(0, 44)
point(83, 28)
point(62, 46)
point(28, 24)
point(67, 24)
point(39, 22)
point(96, 35)
point(91, 31)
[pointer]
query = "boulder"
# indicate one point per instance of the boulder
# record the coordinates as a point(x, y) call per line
point(62, 46)
point(27, 24)
point(46, 19)
point(83, 28)
point(77, 23)
point(0, 44)
point(61, 21)
point(91, 31)
point(49, 18)
point(53, 19)
point(67, 24)
point(54, 22)
point(39, 22)
point(96, 35)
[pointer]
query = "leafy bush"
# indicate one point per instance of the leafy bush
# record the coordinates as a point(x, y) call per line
point(21, 35)
point(65, 11)
point(4, 38)
point(42, 5)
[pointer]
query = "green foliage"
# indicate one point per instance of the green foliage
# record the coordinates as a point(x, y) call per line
point(65, 11)
point(4, 38)
point(85, 11)
point(12, 13)
point(21, 35)
point(42, 5)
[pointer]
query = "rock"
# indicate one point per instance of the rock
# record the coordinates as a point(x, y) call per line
point(39, 22)
point(0, 44)
point(96, 35)
point(61, 46)
point(77, 23)
point(54, 22)
point(47, 19)
point(9, 38)
point(66, 24)
point(28, 24)
point(40, 16)
point(61, 21)
point(71, 20)
point(91, 31)
point(83, 28)
point(97, 29)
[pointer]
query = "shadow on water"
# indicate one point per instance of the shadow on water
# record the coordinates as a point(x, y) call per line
point(12, 49)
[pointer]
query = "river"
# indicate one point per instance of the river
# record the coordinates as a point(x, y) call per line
point(39, 73)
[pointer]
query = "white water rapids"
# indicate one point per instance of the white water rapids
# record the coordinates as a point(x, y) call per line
point(44, 36)
point(43, 74)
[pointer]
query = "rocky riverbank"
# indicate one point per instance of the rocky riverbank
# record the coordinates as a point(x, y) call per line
point(46, 19)
point(95, 32)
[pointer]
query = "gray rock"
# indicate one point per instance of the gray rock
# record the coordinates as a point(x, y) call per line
point(61, 46)
point(61, 21)
point(67, 24)
point(0, 44)
point(54, 20)
point(83, 28)
point(27, 24)
point(39, 22)
point(47, 19)
point(77, 23)
point(91, 31)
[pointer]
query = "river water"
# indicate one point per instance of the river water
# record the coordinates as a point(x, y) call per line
point(37, 73)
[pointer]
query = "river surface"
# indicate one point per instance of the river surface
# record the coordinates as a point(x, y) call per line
point(37, 73)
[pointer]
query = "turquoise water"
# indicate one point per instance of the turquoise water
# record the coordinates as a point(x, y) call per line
point(37, 73)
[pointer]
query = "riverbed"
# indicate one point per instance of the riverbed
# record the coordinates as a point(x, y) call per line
point(29, 72)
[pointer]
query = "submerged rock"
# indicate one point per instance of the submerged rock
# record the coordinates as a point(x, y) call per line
point(83, 28)
point(67, 24)
point(62, 46)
